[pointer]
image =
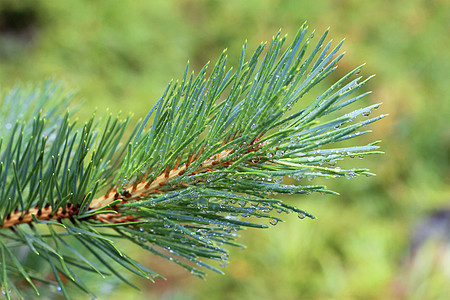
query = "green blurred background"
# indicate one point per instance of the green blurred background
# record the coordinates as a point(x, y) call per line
point(121, 55)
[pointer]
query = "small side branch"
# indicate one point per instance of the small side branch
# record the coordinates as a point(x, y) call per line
point(144, 189)
point(43, 214)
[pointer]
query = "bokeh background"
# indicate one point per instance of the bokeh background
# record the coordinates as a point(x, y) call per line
point(385, 237)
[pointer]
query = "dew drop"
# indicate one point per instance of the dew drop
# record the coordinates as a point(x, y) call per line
point(280, 153)
point(278, 179)
point(53, 288)
point(298, 176)
point(350, 175)
point(227, 229)
point(273, 222)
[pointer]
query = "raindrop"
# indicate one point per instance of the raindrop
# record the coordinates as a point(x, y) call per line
point(53, 288)
point(222, 203)
point(280, 153)
point(350, 175)
point(298, 176)
point(301, 216)
point(273, 222)
point(254, 204)
point(278, 179)
point(227, 229)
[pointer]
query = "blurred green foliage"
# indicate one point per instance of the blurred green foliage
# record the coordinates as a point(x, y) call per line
point(121, 55)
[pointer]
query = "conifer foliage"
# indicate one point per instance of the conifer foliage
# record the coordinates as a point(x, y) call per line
point(217, 152)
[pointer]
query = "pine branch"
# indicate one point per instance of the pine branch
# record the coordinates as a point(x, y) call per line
point(219, 148)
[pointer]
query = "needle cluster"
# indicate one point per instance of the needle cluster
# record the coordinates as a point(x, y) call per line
point(220, 147)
